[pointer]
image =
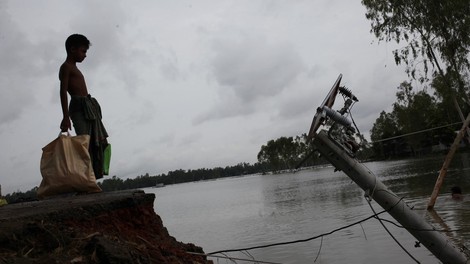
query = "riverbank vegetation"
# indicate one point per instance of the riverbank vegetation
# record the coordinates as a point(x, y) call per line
point(434, 46)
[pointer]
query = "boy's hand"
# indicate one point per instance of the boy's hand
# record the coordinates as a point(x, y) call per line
point(65, 125)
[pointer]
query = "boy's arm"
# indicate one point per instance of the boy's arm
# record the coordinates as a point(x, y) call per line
point(64, 75)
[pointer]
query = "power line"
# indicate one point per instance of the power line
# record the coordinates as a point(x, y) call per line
point(300, 240)
point(231, 258)
point(416, 132)
point(388, 231)
point(375, 215)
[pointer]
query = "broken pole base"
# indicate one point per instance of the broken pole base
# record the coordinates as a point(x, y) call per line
point(435, 242)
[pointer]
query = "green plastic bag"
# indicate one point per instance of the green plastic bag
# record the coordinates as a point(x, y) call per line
point(106, 159)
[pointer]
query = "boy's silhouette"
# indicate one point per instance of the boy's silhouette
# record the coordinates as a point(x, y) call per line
point(84, 111)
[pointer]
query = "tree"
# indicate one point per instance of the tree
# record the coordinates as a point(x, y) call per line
point(271, 154)
point(385, 127)
point(112, 184)
point(415, 112)
point(305, 150)
point(446, 100)
point(435, 32)
point(284, 152)
point(19, 197)
point(419, 121)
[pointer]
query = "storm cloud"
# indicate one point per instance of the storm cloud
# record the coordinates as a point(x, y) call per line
point(184, 84)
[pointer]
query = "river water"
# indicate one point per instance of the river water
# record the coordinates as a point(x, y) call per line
point(255, 210)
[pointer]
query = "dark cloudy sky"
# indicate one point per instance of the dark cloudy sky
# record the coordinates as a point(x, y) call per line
point(185, 84)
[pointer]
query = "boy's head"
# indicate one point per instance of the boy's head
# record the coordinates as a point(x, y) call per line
point(76, 41)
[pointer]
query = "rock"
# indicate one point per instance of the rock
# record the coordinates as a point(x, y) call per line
point(109, 227)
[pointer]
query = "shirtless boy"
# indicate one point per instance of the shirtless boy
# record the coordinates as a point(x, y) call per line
point(84, 111)
point(71, 79)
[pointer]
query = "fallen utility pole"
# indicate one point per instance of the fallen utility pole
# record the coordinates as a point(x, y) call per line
point(426, 234)
point(338, 145)
point(445, 166)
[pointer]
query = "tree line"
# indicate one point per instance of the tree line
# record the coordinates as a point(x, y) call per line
point(277, 155)
point(179, 176)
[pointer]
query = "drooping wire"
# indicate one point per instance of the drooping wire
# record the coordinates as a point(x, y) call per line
point(319, 250)
point(354, 123)
point(247, 253)
point(352, 119)
point(311, 238)
point(300, 240)
point(231, 259)
point(375, 215)
point(416, 132)
point(228, 257)
point(353, 102)
point(363, 231)
point(368, 199)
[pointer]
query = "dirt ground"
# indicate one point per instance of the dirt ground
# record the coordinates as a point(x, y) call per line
point(114, 227)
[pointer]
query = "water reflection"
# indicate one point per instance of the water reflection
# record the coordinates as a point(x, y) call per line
point(264, 209)
point(318, 187)
point(415, 179)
